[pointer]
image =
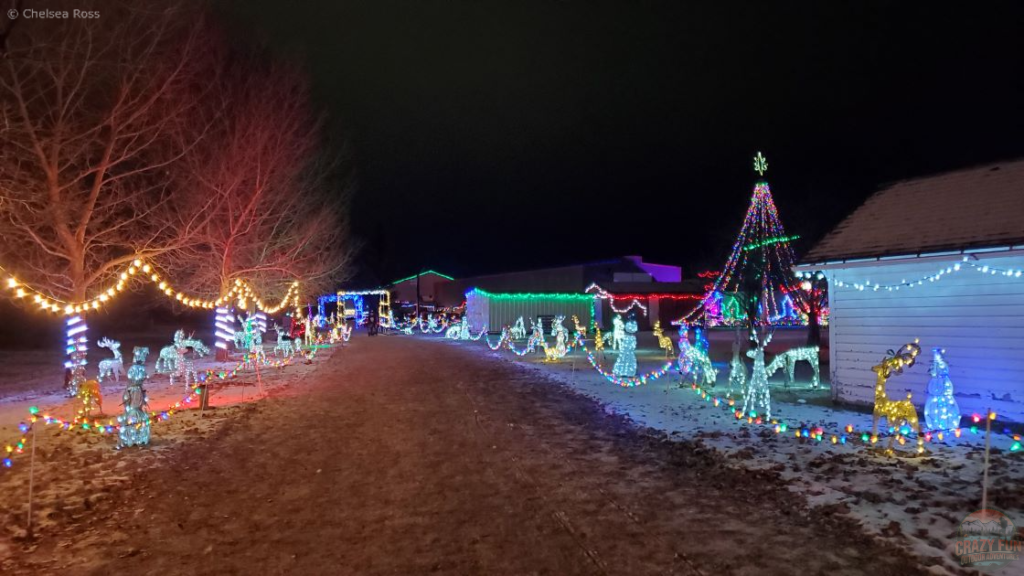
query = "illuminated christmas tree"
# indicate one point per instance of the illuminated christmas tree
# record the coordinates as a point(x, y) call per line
point(759, 271)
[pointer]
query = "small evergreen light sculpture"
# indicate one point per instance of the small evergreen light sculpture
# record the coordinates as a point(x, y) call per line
point(134, 422)
point(941, 411)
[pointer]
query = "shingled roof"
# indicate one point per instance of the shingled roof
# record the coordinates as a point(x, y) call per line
point(973, 208)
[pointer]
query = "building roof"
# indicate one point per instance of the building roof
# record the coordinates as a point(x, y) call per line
point(424, 273)
point(974, 208)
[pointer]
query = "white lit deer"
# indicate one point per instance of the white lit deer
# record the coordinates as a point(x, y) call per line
point(111, 366)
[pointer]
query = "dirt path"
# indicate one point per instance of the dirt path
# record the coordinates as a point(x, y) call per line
point(409, 456)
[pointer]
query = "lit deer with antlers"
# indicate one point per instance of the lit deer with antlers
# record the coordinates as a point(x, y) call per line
point(664, 342)
point(896, 412)
point(111, 366)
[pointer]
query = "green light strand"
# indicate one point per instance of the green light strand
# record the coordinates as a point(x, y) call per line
point(531, 295)
point(770, 241)
point(445, 276)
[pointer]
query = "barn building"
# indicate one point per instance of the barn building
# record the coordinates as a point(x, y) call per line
point(939, 259)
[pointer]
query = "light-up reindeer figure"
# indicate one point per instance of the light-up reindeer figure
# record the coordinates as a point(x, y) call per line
point(664, 342)
point(580, 329)
point(111, 366)
point(518, 330)
point(896, 412)
point(283, 346)
point(167, 361)
point(789, 358)
point(757, 396)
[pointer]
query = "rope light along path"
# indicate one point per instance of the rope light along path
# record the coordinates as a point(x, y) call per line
point(780, 427)
point(241, 291)
point(501, 340)
point(112, 426)
point(628, 381)
point(849, 433)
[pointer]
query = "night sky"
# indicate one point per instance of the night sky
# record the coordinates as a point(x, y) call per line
point(493, 136)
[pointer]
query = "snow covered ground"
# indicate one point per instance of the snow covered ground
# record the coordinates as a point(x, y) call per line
point(915, 501)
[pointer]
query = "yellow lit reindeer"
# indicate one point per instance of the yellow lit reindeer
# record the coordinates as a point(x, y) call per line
point(582, 330)
point(663, 341)
point(896, 412)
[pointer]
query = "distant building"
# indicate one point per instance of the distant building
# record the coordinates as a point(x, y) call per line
point(628, 277)
point(939, 259)
point(404, 291)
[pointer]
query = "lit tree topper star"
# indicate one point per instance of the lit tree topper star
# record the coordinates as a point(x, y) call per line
point(760, 164)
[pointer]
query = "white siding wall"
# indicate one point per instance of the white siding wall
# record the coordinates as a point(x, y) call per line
point(478, 311)
point(497, 313)
point(977, 318)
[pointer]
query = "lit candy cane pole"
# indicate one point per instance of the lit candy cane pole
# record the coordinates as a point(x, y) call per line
point(225, 331)
point(77, 346)
point(261, 321)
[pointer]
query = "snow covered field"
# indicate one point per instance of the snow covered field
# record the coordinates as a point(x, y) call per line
point(913, 501)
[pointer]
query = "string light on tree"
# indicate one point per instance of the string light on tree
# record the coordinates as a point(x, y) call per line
point(758, 265)
point(76, 349)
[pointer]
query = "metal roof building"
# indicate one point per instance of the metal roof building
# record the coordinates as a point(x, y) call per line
point(941, 259)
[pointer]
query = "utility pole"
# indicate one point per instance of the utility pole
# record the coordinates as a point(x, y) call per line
point(418, 276)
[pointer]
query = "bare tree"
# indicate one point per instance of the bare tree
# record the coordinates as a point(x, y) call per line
point(277, 205)
point(86, 110)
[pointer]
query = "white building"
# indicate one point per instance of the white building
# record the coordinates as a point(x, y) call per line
point(939, 259)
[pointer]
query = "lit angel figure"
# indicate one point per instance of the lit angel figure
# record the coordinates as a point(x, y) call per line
point(941, 411)
point(625, 364)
